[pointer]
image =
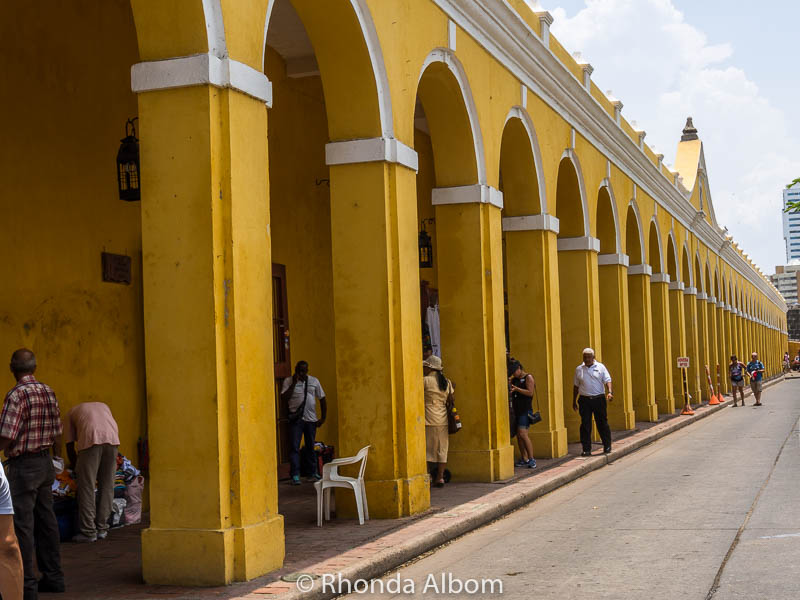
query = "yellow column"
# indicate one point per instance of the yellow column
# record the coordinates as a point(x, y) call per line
point(692, 344)
point(376, 303)
point(470, 266)
point(702, 345)
point(641, 335)
point(615, 329)
point(663, 353)
point(208, 323)
point(713, 334)
point(534, 321)
point(678, 337)
point(723, 353)
point(580, 314)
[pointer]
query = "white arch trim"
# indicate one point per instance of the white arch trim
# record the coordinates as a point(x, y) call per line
point(211, 68)
point(685, 250)
point(661, 258)
point(372, 42)
point(570, 154)
point(215, 29)
point(607, 184)
point(638, 217)
point(701, 284)
point(518, 112)
point(443, 55)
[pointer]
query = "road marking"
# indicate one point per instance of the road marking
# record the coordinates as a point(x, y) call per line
point(782, 535)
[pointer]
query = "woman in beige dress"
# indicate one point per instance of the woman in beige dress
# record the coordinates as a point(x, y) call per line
point(437, 389)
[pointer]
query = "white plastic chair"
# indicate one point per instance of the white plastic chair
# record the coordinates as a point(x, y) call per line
point(332, 479)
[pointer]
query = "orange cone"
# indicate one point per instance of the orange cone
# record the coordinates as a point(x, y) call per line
point(687, 410)
point(712, 397)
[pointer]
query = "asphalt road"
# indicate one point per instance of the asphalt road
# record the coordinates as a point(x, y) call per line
point(712, 511)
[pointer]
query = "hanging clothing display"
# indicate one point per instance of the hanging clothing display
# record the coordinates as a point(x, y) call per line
point(432, 319)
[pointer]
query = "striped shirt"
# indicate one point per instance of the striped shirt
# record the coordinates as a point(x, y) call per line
point(30, 417)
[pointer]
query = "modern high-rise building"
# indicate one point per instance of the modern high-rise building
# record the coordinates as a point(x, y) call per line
point(791, 224)
point(786, 280)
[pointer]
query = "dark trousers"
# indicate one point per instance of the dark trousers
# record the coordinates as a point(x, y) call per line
point(30, 479)
point(594, 405)
point(298, 430)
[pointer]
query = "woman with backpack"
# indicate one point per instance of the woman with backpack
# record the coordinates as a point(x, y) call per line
point(437, 439)
point(737, 370)
point(521, 386)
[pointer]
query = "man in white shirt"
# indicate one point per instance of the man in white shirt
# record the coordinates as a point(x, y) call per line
point(301, 392)
point(589, 396)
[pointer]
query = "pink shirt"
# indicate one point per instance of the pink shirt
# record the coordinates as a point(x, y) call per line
point(90, 424)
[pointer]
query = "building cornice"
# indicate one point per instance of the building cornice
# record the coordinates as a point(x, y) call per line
point(504, 34)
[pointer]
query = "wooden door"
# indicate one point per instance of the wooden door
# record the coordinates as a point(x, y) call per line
point(282, 355)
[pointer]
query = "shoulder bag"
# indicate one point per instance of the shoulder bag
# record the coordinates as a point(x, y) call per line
point(535, 417)
point(453, 418)
point(296, 415)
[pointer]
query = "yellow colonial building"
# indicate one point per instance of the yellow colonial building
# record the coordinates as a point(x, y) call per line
point(291, 152)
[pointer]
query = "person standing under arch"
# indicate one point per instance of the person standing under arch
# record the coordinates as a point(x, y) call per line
point(521, 385)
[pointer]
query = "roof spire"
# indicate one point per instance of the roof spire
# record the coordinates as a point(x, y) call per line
point(689, 132)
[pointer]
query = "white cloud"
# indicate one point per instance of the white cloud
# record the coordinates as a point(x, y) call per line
point(664, 69)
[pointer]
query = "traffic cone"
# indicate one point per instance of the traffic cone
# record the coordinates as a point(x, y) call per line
point(712, 397)
point(687, 410)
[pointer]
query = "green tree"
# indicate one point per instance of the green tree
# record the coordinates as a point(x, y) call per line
point(794, 205)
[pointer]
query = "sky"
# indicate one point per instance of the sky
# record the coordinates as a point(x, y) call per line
point(732, 66)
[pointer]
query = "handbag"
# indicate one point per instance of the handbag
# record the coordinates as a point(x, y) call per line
point(296, 415)
point(453, 418)
point(535, 417)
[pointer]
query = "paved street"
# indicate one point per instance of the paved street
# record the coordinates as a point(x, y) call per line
point(711, 511)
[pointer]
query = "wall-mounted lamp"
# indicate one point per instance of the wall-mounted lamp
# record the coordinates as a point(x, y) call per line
point(425, 246)
point(128, 164)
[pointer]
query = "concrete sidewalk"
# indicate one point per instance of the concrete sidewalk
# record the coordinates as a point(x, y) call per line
point(110, 569)
point(402, 545)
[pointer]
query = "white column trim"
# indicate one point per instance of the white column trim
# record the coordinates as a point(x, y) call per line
point(201, 69)
point(690, 291)
point(711, 299)
point(728, 307)
point(701, 296)
point(371, 150)
point(642, 269)
point(542, 222)
point(613, 259)
point(468, 194)
point(659, 278)
point(721, 305)
point(676, 285)
point(585, 242)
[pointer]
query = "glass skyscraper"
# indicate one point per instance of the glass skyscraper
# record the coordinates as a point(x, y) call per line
point(791, 224)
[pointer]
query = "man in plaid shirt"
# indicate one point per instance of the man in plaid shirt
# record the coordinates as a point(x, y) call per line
point(30, 426)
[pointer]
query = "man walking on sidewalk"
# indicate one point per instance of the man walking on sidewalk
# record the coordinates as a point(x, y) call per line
point(91, 427)
point(755, 368)
point(589, 396)
point(30, 426)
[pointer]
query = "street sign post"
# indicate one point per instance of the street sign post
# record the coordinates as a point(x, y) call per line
point(683, 362)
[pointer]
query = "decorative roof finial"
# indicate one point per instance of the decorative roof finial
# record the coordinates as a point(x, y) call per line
point(689, 132)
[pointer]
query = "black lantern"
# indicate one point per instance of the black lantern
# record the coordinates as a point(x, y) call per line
point(425, 247)
point(128, 164)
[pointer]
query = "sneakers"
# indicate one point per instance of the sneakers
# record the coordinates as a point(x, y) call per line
point(84, 539)
point(295, 480)
point(313, 478)
point(607, 450)
point(521, 463)
point(101, 535)
point(586, 453)
point(531, 464)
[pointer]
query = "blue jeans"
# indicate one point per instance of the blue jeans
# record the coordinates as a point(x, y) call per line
point(297, 431)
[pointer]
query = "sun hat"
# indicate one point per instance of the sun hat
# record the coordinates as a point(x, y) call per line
point(433, 362)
